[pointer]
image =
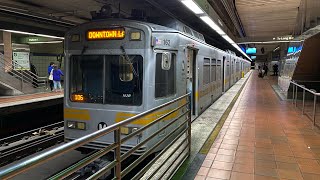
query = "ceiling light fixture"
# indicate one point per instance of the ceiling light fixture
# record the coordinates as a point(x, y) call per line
point(192, 6)
point(205, 18)
point(270, 42)
point(276, 49)
point(33, 34)
point(212, 24)
point(45, 42)
point(227, 38)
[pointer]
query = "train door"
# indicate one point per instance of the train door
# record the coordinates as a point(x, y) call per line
point(192, 78)
point(232, 73)
point(223, 73)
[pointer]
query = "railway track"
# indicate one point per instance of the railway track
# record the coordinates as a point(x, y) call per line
point(18, 146)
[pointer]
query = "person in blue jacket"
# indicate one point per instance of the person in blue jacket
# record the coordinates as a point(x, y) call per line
point(57, 73)
point(50, 68)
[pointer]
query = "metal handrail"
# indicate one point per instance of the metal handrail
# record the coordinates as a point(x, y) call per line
point(46, 156)
point(22, 75)
point(295, 97)
point(302, 87)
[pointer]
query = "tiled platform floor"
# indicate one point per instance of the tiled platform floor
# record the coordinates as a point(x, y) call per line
point(263, 138)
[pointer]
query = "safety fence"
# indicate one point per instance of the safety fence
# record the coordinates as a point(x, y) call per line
point(14, 75)
point(177, 118)
point(306, 100)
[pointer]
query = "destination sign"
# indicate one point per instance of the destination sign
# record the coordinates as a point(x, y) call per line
point(106, 34)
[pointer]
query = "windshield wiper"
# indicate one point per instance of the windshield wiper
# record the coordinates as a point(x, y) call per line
point(126, 57)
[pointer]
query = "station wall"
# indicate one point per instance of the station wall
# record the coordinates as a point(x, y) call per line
point(42, 54)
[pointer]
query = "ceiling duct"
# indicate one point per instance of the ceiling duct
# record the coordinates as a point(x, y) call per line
point(232, 14)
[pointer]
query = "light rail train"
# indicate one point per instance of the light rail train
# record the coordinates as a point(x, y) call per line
point(116, 69)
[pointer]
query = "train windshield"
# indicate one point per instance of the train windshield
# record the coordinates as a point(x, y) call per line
point(120, 84)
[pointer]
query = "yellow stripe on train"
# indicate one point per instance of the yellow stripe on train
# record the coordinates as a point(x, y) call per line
point(77, 114)
point(121, 116)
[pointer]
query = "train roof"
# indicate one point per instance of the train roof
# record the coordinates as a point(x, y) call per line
point(174, 26)
point(166, 26)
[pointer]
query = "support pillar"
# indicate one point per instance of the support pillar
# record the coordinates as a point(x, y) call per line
point(7, 51)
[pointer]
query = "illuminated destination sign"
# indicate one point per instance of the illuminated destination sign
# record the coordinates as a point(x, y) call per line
point(105, 34)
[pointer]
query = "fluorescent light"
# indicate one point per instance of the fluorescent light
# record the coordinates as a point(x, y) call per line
point(192, 6)
point(227, 38)
point(45, 42)
point(212, 24)
point(205, 18)
point(268, 42)
point(33, 34)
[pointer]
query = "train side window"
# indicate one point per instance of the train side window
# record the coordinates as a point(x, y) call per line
point(187, 30)
point(218, 70)
point(213, 70)
point(206, 71)
point(165, 79)
point(195, 34)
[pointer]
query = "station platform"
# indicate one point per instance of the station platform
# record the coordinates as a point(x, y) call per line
point(262, 138)
point(10, 104)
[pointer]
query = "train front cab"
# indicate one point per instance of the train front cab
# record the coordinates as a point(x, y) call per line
point(108, 81)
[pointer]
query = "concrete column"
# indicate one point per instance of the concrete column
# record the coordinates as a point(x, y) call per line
point(7, 51)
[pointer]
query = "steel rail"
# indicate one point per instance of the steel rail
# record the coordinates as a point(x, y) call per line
point(44, 157)
point(23, 149)
point(18, 136)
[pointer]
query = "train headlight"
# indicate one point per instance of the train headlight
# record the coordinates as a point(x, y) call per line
point(135, 36)
point(124, 130)
point(71, 124)
point(76, 125)
point(134, 129)
point(81, 125)
point(128, 130)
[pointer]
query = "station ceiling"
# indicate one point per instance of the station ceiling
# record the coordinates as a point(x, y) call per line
point(268, 18)
point(259, 18)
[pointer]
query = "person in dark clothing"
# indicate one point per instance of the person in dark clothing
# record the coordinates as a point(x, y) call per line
point(34, 75)
point(275, 70)
point(265, 68)
point(50, 69)
point(260, 72)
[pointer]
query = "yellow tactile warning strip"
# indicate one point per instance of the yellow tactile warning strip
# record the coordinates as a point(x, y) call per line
point(263, 138)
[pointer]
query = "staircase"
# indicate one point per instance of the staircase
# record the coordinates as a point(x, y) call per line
point(15, 82)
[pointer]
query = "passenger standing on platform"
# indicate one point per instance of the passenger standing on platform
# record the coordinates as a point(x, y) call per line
point(275, 69)
point(265, 68)
point(50, 71)
point(260, 72)
point(57, 73)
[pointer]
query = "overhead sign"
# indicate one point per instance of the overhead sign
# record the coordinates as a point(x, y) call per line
point(283, 38)
point(21, 60)
point(106, 34)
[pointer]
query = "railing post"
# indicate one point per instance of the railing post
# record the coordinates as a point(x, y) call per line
point(117, 153)
point(314, 108)
point(303, 100)
point(296, 97)
point(293, 85)
point(22, 83)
